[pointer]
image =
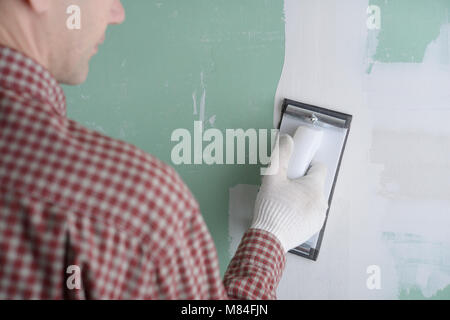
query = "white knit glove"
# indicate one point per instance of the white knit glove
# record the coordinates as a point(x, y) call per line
point(292, 210)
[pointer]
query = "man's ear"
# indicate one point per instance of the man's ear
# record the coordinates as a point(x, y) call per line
point(39, 6)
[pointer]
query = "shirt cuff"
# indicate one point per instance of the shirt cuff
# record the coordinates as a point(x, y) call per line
point(256, 269)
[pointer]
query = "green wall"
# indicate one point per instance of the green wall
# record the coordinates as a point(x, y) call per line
point(141, 84)
point(408, 27)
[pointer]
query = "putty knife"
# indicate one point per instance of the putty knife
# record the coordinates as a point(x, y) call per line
point(319, 135)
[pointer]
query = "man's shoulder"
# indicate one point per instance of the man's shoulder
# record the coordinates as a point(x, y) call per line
point(86, 172)
point(134, 188)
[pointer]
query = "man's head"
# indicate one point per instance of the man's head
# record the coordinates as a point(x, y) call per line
point(39, 29)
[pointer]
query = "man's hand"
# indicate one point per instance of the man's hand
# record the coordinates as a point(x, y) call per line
point(292, 210)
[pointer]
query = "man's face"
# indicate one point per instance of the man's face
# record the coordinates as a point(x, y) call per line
point(71, 50)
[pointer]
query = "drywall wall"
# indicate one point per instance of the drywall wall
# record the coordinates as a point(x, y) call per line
point(231, 63)
point(408, 28)
point(391, 205)
point(173, 62)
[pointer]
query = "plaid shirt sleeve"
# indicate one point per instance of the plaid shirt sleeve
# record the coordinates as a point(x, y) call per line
point(256, 268)
point(84, 216)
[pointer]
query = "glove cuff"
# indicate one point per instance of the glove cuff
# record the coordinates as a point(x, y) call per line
point(273, 217)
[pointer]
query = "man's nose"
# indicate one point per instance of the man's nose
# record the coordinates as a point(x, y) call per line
point(117, 13)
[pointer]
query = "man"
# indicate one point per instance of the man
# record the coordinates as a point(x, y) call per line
point(84, 216)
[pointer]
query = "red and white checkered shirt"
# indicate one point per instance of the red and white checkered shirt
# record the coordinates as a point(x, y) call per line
point(84, 216)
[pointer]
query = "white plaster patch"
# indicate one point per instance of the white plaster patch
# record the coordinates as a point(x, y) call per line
point(241, 204)
point(397, 108)
point(410, 107)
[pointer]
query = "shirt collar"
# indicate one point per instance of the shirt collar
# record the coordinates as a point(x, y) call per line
point(24, 75)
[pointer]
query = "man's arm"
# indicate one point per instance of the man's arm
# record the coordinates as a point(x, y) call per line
point(287, 213)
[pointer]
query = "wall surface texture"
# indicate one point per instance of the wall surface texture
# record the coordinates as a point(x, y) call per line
point(231, 63)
